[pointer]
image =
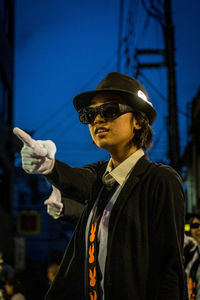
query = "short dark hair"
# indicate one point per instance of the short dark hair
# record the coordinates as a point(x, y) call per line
point(17, 286)
point(142, 137)
point(53, 268)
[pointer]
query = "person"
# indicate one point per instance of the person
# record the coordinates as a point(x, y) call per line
point(192, 255)
point(14, 289)
point(128, 241)
point(52, 270)
point(194, 222)
point(6, 271)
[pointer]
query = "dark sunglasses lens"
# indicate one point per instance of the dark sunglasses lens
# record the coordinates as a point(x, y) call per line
point(195, 225)
point(110, 111)
point(87, 115)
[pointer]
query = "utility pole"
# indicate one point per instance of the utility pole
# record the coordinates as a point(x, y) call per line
point(168, 54)
point(168, 30)
point(121, 13)
point(6, 125)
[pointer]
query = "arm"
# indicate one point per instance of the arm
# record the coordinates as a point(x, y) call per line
point(39, 157)
point(76, 183)
point(72, 210)
point(168, 233)
point(71, 190)
point(63, 207)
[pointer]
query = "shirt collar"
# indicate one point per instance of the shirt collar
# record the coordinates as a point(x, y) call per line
point(121, 172)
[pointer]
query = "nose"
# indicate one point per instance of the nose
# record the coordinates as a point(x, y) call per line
point(98, 119)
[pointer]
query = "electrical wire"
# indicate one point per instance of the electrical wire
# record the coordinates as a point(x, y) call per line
point(162, 97)
point(63, 105)
point(67, 123)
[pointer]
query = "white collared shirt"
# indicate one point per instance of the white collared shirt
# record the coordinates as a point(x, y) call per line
point(120, 174)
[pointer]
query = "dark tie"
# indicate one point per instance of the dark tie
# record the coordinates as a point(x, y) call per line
point(94, 274)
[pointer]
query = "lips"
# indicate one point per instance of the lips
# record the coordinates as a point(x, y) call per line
point(101, 130)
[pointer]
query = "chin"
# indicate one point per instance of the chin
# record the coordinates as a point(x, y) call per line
point(102, 145)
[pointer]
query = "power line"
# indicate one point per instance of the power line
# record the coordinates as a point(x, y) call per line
point(53, 115)
point(60, 109)
point(153, 87)
point(161, 95)
point(57, 127)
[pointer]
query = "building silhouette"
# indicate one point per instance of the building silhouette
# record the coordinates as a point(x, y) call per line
point(191, 157)
point(6, 119)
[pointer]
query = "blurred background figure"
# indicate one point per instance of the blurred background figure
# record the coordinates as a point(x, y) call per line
point(192, 254)
point(14, 290)
point(6, 271)
point(52, 271)
point(194, 222)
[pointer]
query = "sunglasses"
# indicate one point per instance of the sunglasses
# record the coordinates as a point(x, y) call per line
point(108, 111)
point(195, 225)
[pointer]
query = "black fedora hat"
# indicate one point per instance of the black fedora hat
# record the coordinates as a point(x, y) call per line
point(132, 92)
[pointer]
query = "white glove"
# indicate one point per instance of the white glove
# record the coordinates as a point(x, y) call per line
point(190, 240)
point(54, 203)
point(37, 156)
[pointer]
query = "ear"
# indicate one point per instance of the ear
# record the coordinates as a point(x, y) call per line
point(136, 124)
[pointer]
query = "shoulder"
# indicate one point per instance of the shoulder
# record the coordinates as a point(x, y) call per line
point(18, 296)
point(164, 172)
point(156, 170)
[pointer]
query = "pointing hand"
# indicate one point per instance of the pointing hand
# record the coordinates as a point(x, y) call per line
point(37, 155)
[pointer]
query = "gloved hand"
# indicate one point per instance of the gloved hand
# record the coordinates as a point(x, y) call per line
point(37, 156)
point(54, 203)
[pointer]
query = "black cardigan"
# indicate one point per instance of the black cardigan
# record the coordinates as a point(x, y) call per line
point(145, 240)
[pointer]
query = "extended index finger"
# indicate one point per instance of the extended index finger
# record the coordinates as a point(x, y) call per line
point(24, 137)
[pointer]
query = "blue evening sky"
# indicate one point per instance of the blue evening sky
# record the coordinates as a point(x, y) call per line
point(66, 47)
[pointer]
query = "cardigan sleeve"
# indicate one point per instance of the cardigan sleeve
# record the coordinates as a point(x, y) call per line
point(72, 210)
point(168, 233)
point(76, 183)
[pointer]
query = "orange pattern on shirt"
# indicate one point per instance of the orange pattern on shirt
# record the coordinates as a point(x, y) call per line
point(93, 277)
point(93, 231)
point(191, 286)
point(93, 297)
point(91, 254)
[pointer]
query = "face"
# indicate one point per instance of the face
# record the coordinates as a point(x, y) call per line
point(195, 232)
point(9, 289)
point(115, 135)
point(50, 275)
